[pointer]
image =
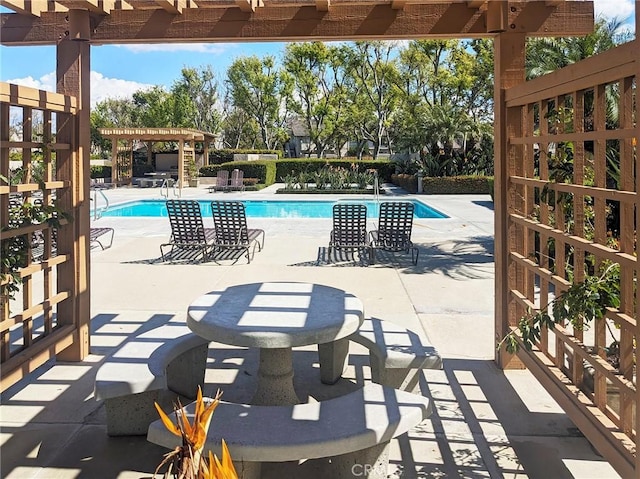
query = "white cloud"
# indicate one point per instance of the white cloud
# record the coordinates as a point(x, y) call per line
point(101, 86)
point(46, 82)
point(213, 48)
point(620, 9)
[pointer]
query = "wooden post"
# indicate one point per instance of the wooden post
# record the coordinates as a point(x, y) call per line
point(114, 160)
point(73, 68)
point(637, 272)
point(509, 70)
point(181, 175)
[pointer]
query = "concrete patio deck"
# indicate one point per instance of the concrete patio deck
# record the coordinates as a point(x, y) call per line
point(488, 423)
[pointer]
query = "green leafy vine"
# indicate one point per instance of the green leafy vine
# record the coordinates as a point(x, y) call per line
point(578, 306)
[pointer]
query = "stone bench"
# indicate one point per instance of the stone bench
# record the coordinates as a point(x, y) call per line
point(396, 355)
point(158, 365)
point(352, 430)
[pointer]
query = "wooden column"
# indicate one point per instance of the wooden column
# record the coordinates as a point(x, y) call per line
point(509, 54)
point(72, 75)
point(181, 175)
point(637, 272)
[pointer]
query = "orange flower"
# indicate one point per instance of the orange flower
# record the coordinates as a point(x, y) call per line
point(220, 470)
point(192, 434)
point(186, 459)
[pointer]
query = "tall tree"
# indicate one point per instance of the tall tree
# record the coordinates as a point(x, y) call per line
point(318, 77)
point(196, 100)
point(373, 92)
point(153, 108)
point(109, 113)
point(263, 92)
point(545, 55)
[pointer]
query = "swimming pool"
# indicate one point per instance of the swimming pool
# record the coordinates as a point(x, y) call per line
point(268, 209)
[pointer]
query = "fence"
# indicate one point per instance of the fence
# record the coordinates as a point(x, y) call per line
point(572, 210)
point(38, 199)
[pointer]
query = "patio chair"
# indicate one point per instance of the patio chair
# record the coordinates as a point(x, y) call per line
point(231, 231)
point(395, 223)
point(349, 228)
point(187, 229)
point(222, 182)
point(236, 183)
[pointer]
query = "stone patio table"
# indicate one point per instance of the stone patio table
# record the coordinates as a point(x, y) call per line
point(275, 317)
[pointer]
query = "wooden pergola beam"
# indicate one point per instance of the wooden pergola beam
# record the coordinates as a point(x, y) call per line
point(171, 6)
point(323, 5)
point(291, 23)
point(249, 5)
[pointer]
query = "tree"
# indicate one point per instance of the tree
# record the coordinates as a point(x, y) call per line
point(153, 108)
point(546, 55)
point(373, 76)
point(318, 79)
point(263, 92)
point(444, 109)
point(195, 100)
point(109, 113)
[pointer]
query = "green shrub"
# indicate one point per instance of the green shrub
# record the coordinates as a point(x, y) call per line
point(217, 157)
point(296, 166)
point(457, 185)
point(264, 171)
point(100, 172)
point(446, 185)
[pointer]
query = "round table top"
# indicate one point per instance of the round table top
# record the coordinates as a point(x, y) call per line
point(275, 315)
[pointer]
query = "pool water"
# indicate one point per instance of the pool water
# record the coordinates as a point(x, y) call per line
point(267, 209)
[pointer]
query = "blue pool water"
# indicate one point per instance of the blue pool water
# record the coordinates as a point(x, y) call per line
point(267, 209)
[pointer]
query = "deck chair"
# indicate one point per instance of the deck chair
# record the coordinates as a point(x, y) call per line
point(349, 228)
point(187, 229)
point(236, 183)
point(222, 182)
point(231, 231)
point(395, 223)
point(96, 233)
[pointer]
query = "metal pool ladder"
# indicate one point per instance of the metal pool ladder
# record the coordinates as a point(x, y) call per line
point(97, 212)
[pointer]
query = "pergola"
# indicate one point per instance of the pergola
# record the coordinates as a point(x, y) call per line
point(122, 168)
point(521, 128)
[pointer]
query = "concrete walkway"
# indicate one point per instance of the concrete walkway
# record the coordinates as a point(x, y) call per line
point(489, 423)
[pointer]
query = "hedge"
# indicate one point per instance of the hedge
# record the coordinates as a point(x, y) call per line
point(270, 171)
point(265, 171)
point(296, 166)
point(218, 157)
point(100, 172)
point(447, 185)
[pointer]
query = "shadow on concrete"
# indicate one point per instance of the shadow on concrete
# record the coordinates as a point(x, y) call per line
point(486, 204)
point(181, 256)
point(481, 426)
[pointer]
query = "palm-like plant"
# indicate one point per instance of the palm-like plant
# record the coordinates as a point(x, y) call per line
point(185, 461)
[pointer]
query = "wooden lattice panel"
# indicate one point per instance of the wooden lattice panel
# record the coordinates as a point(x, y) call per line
point(30, 329)
point(572, 212)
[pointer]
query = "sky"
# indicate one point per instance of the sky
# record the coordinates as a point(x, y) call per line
point(119, 71)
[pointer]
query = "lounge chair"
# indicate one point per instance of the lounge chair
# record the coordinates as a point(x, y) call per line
point(231, 231)
point(222, 182)
point(395, 223)
point(236, 183)
point(96, 233)
point(349, 228)
point(187, 229)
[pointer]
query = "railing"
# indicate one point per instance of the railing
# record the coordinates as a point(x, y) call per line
point(97, 212)
point(39, 319)
point(572, 208)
